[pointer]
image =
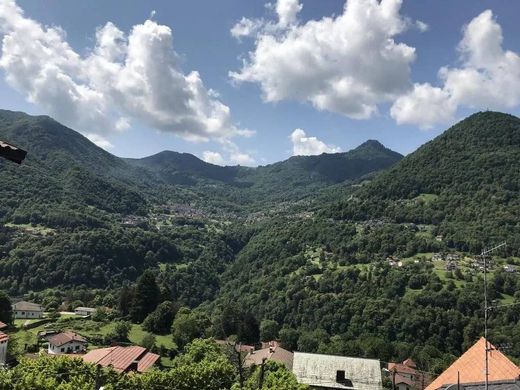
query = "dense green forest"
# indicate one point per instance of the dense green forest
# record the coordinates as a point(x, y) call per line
point(330, 253)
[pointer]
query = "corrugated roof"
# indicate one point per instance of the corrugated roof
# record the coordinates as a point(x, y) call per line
point(121, 358)
point(471, 366)
point(66, 337)
point(320, 370)
point(147, 361)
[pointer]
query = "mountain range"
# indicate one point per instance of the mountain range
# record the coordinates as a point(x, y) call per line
point(306, 244)
point(65, 170)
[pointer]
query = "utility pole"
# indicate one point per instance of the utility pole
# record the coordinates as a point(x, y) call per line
point(484, 257)
point(97, 384)
point(262, 373)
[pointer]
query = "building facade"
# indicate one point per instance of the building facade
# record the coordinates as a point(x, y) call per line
point(27, 310)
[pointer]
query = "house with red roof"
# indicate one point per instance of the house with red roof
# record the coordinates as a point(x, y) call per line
point(406, 376)
point(66, 342)
point(270, 351)
point(122, 359)
point(469, 370)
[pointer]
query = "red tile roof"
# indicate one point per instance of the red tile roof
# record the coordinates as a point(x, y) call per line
point(121, 358)
point(278, 354)
point(410, 363)
point(471, 367)
point(66, 337)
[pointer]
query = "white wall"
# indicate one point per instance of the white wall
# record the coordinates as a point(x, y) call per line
point(3, 351)
point(28, 314)
point(67, 348)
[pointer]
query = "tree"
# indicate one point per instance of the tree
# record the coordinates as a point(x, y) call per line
point(146, 297)
point(269, 330)
point(148, 341)
point(274, 377)
point(160, 320)
point(6, 310)
point(121, 330)
point(189, 325)
point(289, 338)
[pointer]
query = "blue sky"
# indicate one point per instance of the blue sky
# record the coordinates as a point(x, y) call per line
point(406, 104)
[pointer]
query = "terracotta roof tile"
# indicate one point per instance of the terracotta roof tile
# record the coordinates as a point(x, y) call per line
point(471, 367)
point(121, 358)
point(66, 337)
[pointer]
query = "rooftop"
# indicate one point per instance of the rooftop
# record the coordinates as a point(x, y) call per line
point(27, 306)
point(496, 385)
point(122, 358)
point(471, 367)
point(66, 337)
point(275, 353)
point(322, 370)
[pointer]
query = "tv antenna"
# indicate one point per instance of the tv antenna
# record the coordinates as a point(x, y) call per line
point(484, 258)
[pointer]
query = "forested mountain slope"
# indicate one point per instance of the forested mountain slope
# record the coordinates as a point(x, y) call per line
point(466, 182)
point(332, 281)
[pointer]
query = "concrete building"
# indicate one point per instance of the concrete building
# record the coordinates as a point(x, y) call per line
point(329, 372)
point(84, 311)
point(27, 310)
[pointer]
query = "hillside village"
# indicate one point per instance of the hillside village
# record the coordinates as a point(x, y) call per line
point(318, 371)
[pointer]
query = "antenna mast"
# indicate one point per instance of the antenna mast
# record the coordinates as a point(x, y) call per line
point(484, 257)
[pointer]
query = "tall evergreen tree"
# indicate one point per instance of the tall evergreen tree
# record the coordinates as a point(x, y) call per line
point(147, 294)
point(6, 310)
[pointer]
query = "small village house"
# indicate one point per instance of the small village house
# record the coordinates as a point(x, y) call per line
point(269, 351)
point(123, 359)
point(329, 372)
point(66, 342)
point(405, 376)
point(84, 311)
point(469, 370)
point(27, 310)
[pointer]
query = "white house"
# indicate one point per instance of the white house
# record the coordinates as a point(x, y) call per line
point(27, 310)
point(4, 340)
point(329, 372)
point(84, 311)
point(66, 342)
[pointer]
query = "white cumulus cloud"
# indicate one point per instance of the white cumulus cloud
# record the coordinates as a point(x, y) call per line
point(307, 146)
point(99, 140)
point(125, 77)
point(213, 157)
point(488, 78)
point(346, 64)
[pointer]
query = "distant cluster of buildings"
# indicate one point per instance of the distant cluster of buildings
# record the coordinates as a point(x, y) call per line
point(330, 372)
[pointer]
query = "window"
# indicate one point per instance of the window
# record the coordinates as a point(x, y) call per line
point(340, 376)
point(63, 350)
